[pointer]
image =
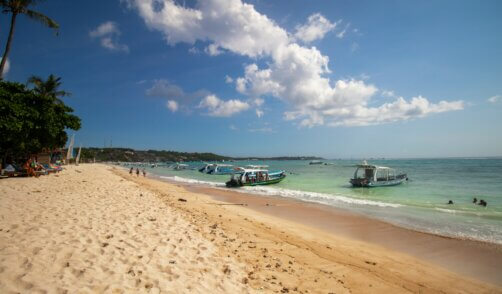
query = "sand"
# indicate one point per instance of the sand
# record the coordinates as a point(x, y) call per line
point(94, 228)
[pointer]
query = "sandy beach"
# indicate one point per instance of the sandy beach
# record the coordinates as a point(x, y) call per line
point(94, 228)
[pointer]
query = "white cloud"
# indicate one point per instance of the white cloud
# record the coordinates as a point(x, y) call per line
point(105, 29)
point(293, 73)
point(172, 105)
point(258, 101)
point(219, 108)
point(231, 25)
point(315, 28)
point(213, 50)
point(108, 33)
point(259, 113)
point(194, 50)
point(228, 80)
point(494, 99)
point(6, 67)
point(341, 33)
point(233, 128)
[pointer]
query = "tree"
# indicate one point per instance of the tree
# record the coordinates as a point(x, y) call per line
point(48, 87)
point(31, 122)
point(16, 7)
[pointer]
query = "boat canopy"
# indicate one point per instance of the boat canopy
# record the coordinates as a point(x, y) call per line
point(248, 170)
point(256, 166)
point(374, 172)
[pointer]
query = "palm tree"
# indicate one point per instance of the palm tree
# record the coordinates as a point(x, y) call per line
point(49, 87)
point(21, 7)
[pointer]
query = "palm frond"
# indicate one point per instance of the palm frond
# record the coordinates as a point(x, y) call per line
point(41, 18)
point(35, 80)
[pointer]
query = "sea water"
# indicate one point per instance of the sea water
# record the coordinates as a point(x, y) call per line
point(419, 204)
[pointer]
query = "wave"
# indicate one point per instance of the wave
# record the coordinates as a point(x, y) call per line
point(372, 209)
point(192, 181)
point(329, 199)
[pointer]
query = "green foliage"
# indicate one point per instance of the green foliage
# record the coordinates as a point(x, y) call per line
point(131, 155)
point(30, 122)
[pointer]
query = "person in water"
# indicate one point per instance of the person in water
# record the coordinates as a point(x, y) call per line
point(450, 202)
point(475, 200)
point(482, 203)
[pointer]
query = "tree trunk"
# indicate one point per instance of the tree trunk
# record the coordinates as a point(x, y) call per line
point(7, 46)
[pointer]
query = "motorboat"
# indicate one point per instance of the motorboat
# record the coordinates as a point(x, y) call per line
point(368, 175)
point(218, 169)
point(255, 177)
point(180, 166)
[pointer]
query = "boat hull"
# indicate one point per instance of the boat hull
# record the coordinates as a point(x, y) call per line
point(261, 183)
point(237, 183)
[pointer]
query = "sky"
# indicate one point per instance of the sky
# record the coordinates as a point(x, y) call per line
point(337, 79)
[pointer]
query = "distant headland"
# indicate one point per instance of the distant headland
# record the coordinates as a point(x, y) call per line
point(131, 155)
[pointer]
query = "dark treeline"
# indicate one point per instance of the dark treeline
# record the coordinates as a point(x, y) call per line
point(131, 155)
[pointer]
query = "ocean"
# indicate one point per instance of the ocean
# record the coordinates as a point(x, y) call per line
point(419, 204)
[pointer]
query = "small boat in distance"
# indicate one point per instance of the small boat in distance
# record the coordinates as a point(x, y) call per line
point(255, 177)
point(368, 175)
point(180, 166)
point(315, 162)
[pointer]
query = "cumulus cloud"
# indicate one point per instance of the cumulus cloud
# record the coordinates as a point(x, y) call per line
point(495, 99)
point(315, 28)
point(108, 33)
point(219, 108)
point(259, 113)
point(231, 25)
point(292, 72)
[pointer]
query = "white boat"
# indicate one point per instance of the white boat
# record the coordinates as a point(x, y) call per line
point(368, 175)
point(180, 166)
point(255, 177)
point(218, 169)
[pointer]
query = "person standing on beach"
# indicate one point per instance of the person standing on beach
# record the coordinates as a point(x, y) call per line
point(130, 171)
point(137, 172)
point(144, 173)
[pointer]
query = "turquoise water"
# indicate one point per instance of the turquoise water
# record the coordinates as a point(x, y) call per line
point(418, 204)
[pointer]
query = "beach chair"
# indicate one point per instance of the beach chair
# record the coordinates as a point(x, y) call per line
point(12, 170)
point(48, 168)
point(58, 168)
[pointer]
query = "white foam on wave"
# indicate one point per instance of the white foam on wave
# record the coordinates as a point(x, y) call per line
point(445, 210)
point(329, 199)
point(322, 198)
point(192, 181)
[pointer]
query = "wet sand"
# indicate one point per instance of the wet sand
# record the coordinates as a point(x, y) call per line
point(480, 260)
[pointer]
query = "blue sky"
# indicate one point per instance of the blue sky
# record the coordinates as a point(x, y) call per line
point(330, 78)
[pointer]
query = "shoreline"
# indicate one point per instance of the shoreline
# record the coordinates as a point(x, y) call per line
point(475, 258)
point(95, 228)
